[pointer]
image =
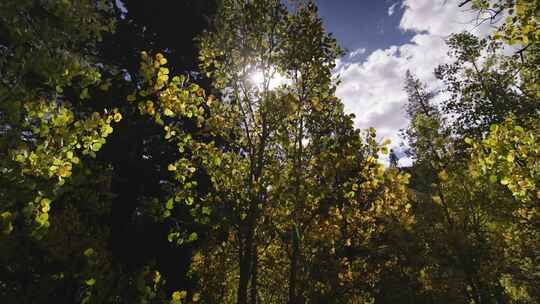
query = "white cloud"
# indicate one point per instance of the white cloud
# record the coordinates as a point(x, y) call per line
point(440, 17)
point(392, 9)
point(373, 89)
point(357, 52)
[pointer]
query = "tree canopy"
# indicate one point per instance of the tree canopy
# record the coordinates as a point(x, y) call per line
point(196, 152)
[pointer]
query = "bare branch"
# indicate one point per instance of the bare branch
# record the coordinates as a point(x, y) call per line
point(464, 2)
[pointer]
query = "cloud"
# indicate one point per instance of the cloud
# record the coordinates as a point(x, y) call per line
point(441, 18)
point(372, 89)
point(392, 9)
point(357, 52)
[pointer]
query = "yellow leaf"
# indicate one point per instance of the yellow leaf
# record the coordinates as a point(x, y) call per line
point(179, 295)
point(89, 252)
point(168, 112)
point(157, 277)
point(443, 175)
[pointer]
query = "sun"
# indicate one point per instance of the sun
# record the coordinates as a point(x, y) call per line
point(259, 79)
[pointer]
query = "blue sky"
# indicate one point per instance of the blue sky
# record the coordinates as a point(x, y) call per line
point(364, 24)
point(385, 38)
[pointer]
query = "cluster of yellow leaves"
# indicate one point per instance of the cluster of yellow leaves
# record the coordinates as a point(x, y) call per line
point(60, 138)
point(179, 297)
point(522, 23)
point(169, 102)
point(509, 154)
point(56, 139)
point(89, 277)
point(41, 207)
point(523, 26)
point(372, 202)
point(172, 98)
point(6, 222)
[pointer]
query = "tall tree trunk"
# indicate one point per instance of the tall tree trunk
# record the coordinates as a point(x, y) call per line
point(246, 257)
point(294, 266)
point(253, 287)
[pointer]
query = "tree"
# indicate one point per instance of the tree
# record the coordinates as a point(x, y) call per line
point(286, 178)
point(393, 159)
point(473, 213)
point(58, 146)
point(270, 125)
point(137, 150)
point(483, 88)
point(461, 206)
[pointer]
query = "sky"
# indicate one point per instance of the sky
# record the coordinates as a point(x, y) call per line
point(384, 39)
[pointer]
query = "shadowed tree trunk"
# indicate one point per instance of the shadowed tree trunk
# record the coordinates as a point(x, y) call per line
point(294, 266)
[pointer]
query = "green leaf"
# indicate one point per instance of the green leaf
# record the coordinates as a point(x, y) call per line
point(193, 237)
point(42, 218)
point(90, 282)
point(84, 94)
point(96, 146)
point(510, 158)
point(170, 204)
point(206, 210)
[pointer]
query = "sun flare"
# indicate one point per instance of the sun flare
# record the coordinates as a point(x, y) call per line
point(259, 79)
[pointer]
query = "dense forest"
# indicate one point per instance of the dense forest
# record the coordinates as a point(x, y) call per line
point(140, 162)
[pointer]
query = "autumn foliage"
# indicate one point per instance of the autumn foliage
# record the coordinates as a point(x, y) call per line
point(164, 182)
